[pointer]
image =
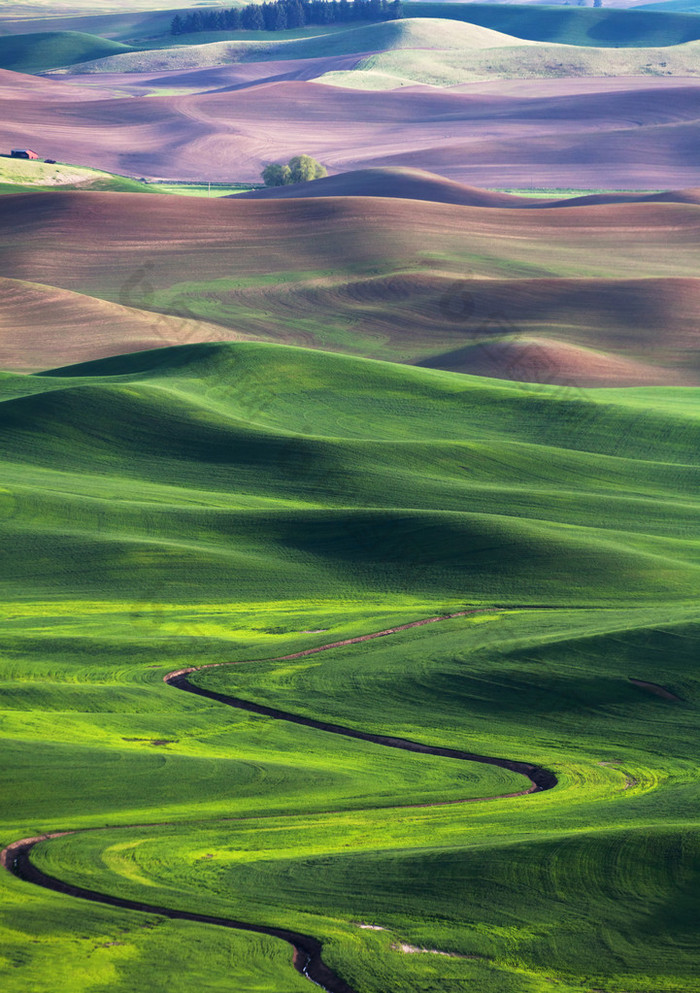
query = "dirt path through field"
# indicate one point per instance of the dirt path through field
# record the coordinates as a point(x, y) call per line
point(307, 949)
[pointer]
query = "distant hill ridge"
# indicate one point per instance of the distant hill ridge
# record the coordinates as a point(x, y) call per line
point(436, 33)
point(600, 27)
point(445, 285)
point(42, 50)
point(419, 184)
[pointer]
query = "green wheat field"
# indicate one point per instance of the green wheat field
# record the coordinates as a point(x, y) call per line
point(233, 503)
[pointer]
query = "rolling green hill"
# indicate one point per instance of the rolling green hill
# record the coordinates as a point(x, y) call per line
point(436, 50)
point(25, 176)
point(673, 6)
point(30, 176)
point(492, 25)
point(39, 51)
point(509, 58)
point(125, 26)
point(217, 503)
point(212, 48)
point(599, 27)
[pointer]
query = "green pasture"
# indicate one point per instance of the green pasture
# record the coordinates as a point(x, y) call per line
point(30, 176)
point(25, 176)
point(224, 503)
point(673, 6)
point(600, 27)
point(595, 29)
point(201, 189)
point(551, 193)
point(436, 63)
point(670, 22)
point(213, 48)
point(292, 34)
point(42, 50)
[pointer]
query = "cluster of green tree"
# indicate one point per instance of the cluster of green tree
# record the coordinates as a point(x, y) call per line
point(300, 169)
point(281, 14)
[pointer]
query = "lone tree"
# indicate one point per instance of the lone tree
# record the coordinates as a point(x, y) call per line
point(276, 175)
point(303, 169)
point(300, 169)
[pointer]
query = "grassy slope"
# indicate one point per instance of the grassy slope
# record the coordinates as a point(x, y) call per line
point(673, 6)
point(668, 25)
point(226, 501)
point(25, 176)
point(445, 67)
point(18, 175)
point(608, 864)
point(124, 26)
point(48, 8)
point(221, 48)
point(473, 48)
point(39, 51)
point(599, 27)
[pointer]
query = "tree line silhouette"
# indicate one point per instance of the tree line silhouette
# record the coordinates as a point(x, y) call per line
point(282, 14)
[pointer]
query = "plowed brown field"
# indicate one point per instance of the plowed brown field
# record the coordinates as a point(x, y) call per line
point(638, 134)
point(550, 294)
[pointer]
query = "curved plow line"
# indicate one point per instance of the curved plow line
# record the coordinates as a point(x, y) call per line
point(307, 949)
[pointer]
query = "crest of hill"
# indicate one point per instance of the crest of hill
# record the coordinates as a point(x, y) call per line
point(673, 6)
point(18, 86)
point(123, 26)
point(42, 326)
point(224, 370)
point(42, 50)
point(601, 27)
point(412, 33)
point(329, 232)
point(690, 196)
point(191, 418)
point(394, 68)
point(29, 174)
point(404, 183)
point(544, 360)
point(421, 305)
point(399, 183)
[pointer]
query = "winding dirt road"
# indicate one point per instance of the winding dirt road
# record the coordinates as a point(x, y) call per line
point(307, 949)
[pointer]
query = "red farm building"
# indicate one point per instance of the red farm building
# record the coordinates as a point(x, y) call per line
point(23, 153)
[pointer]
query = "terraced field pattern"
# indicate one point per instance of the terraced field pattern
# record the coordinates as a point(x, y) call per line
point(350, 557)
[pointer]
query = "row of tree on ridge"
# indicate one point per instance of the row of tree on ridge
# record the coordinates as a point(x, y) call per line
point(280, 15)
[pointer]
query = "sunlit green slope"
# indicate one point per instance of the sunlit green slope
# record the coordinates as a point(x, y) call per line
point(38, 51)
point(231, 502)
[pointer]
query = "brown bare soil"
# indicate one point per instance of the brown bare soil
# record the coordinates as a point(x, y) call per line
point(657, 690)
point(20, 89)
point(668, 196)
point(539, 360)
point(226, 78)
point(14, 851)
point(616, 134)
point(453, 287)
point(43, 327)
point(419, 184)
point(406, 184)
